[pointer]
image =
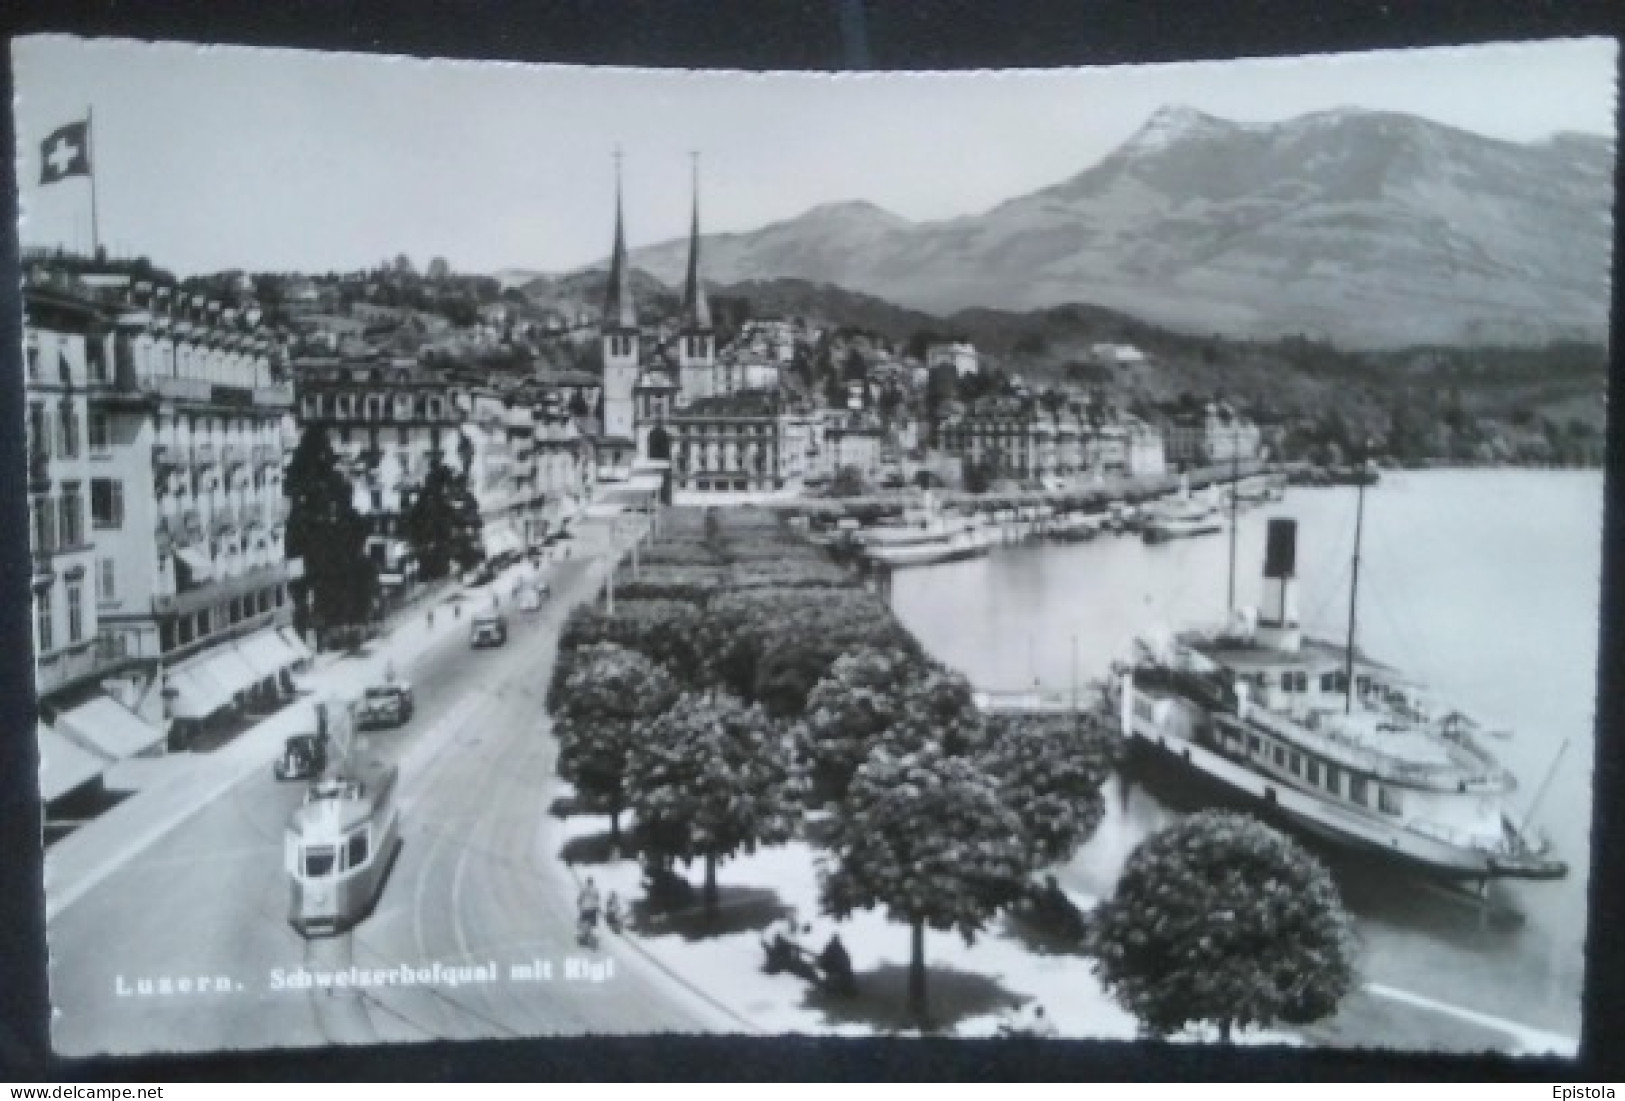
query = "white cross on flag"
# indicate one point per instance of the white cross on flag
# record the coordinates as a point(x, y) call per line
point(65, 153)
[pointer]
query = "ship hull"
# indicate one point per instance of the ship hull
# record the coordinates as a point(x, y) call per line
point(1287, 806)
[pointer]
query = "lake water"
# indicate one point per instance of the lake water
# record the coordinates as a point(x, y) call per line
point(1483, 584)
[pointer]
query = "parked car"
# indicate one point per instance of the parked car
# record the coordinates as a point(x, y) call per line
point(303, 756)
point(388, 704)
point(488, 629)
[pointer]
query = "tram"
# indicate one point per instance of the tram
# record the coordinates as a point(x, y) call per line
point(341, 841)
point(339, 846)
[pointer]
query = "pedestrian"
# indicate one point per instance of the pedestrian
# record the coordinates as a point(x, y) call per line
point(587, 912)
point(836, 965)
point(431, 619)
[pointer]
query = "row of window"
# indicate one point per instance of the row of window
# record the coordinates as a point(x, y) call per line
point(735, 485)
point(321, 861)
point(1324, 775)
point(212, 428)
point(376, 407)
point(186, 629)
point(1297, 681)
point(58, 522)
point(187, 361)
point(54, 363)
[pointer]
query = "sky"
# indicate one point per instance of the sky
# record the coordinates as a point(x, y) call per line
point(210, 158)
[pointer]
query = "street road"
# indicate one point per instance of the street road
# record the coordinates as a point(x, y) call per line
point(477, 882)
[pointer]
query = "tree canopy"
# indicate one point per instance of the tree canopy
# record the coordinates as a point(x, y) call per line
point(925, 835)
point(325, 530)
point(443, 523)
point(607, 698)
point(848, 711)
point(708, 779)
point(1050, 771)
point(1221, 919)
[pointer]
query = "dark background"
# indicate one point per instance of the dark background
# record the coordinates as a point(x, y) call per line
point(769, 34)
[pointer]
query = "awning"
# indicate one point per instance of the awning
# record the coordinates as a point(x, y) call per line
point(227, 667)
point(110, 728)
point(64, 766)
point(197, 695)
point(294, 643)
point(196, 561)
point(266, 653)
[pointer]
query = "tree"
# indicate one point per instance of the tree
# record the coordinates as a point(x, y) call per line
point(709, 779)
point(1221, 919)
point(608, 696)
point(847, 713)
point(329, 535)
point(443, 523)
point(1049, 771)
point(925, 834)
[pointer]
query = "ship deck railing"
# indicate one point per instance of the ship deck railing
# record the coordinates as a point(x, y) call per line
point(1357, 753)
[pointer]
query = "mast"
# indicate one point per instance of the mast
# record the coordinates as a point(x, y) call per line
point(90, 158)
point(1354, 593)
point(1074, 673)
point(1235, 475)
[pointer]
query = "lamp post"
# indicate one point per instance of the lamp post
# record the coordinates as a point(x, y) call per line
point(614, 548)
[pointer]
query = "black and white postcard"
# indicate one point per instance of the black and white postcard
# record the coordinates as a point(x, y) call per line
point(529, 551)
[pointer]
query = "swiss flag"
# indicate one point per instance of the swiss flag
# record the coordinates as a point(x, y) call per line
point(65, 153)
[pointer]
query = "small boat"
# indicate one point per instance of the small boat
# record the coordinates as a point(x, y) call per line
point(1077, 528)
point(951, 548)
point(1180, 517)
point(1162, 530)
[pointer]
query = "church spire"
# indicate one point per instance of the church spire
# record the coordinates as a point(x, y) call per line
point(696, 310)
point(619, 310)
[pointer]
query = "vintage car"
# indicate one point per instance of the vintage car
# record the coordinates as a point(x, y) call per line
point(488, 629)
point(303, 756)
point(387, 704)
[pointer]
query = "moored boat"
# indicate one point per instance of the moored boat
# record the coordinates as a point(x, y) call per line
point(1329, 739)
point(1164, 529)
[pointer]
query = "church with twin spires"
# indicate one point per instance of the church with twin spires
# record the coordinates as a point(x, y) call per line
point(641, 394)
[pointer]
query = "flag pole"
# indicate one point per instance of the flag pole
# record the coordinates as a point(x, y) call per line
point(90, 157)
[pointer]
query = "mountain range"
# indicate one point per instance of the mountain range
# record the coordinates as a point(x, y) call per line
point(1366, 228)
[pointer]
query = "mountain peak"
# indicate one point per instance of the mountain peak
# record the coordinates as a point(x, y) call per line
point(1174, 123)
point(853, 211)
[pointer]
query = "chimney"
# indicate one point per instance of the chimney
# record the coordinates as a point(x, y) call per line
point(1278, 618)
